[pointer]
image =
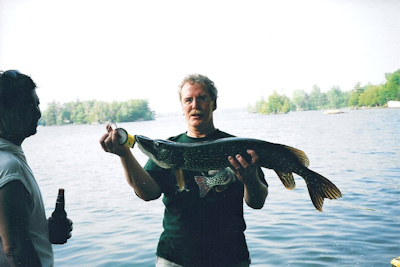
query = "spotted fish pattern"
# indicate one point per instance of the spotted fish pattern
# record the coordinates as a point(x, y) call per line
point(218, 179)
point(213, 155)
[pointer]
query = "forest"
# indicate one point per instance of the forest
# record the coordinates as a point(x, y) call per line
point(95, 112)
point(360, 96)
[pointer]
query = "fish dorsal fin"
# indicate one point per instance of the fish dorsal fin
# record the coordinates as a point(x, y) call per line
point(300, 155)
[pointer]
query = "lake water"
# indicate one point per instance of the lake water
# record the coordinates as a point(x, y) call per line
point(358, 150)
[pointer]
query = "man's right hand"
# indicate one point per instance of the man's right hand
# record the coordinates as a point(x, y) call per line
point(109, 142)
point(60, 230)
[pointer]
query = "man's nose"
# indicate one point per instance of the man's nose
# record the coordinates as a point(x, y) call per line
point(195, 103)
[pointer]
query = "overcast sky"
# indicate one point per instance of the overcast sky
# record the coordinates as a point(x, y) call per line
point(123, 49)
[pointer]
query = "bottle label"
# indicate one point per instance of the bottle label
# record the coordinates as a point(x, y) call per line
point(124, 138)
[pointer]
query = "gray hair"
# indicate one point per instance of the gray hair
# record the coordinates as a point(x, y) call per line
point(201, 79)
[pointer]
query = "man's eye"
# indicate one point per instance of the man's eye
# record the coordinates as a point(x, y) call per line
point(188, 100)
point(202, 99)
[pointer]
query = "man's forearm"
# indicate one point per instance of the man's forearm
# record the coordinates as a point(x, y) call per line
point(255, 195)
point(139, 179)
point(22, 255)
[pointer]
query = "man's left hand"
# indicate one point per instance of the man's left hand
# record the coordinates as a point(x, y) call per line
point(246, 172)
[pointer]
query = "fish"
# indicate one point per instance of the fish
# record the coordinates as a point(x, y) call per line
point(213, 155)
point(219, 179)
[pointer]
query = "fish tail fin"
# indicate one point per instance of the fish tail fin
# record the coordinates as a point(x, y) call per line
point(203, 186)
point(319, 188)
point(287, 179)
point(180, 180)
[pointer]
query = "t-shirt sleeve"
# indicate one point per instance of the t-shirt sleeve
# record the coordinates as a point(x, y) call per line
point(15, 177)
point(11, 170)
point(160, 175)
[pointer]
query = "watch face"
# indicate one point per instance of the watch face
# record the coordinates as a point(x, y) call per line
point(122, 136)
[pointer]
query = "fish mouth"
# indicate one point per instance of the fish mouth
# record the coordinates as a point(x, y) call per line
point(145, 144)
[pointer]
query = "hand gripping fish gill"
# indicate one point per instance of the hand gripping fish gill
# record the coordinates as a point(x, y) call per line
point(213, 155)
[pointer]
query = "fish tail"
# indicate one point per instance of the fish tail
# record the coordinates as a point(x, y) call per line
point(180, 180)
point(286, 179)
point(203, 186)
point(319, 188)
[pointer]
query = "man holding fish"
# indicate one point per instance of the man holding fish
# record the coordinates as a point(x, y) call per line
point(203, 219)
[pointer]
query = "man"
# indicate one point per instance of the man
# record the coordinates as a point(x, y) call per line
point(24, 234)
point(198, 231)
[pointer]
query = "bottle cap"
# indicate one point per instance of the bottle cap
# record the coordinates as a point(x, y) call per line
point(124, 138)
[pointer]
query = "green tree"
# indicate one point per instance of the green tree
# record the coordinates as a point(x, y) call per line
point(260, 104)
point(371, 97)
point(391, 89)
point(275, 104)
point(49, 116)
point(316, 98)
point(81, 112)
point(300, 99)
point(80, 117)
point(334, 96)
point(286, 104)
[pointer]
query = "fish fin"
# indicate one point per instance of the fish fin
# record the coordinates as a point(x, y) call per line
point(203, 186)
point(214, 172)
point(300, 155)
point(287, 179)
point(179, 179)
point(319, 188)
point(220, 188)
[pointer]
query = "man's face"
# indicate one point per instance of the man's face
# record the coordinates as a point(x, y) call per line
point(197, 105)
point(20, 121)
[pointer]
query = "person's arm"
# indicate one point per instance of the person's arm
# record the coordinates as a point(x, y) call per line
point(137, 177)
point(14, 225)
point(255, 192)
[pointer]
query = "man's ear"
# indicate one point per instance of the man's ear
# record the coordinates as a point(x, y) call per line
point(215, 104)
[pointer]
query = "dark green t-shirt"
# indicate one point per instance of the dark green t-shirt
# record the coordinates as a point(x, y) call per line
point(205, 231)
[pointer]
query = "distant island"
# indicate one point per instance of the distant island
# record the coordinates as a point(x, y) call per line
point(96, 112)
point(360, 96)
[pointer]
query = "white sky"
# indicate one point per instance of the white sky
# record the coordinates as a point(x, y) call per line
point(122, 49)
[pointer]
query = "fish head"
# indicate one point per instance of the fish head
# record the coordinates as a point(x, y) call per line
point(159, 151)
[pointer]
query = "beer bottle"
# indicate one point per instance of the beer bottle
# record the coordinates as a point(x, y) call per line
point(58, 221)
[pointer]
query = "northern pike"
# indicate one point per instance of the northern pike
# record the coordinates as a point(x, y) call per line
point(219, 179)
point(213, 155)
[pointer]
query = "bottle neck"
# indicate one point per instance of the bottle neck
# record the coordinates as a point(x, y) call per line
point(60, 204)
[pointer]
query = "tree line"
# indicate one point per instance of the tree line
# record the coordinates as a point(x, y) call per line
point(360, 96)
point(94, 112)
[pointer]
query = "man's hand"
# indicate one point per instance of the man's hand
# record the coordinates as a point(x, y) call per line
point(255, 191)
point(109, 142)
point(246, 172)
point(60, 230)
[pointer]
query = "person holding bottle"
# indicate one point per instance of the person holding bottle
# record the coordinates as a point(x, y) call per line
point(24, 230)
point(198, 231)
